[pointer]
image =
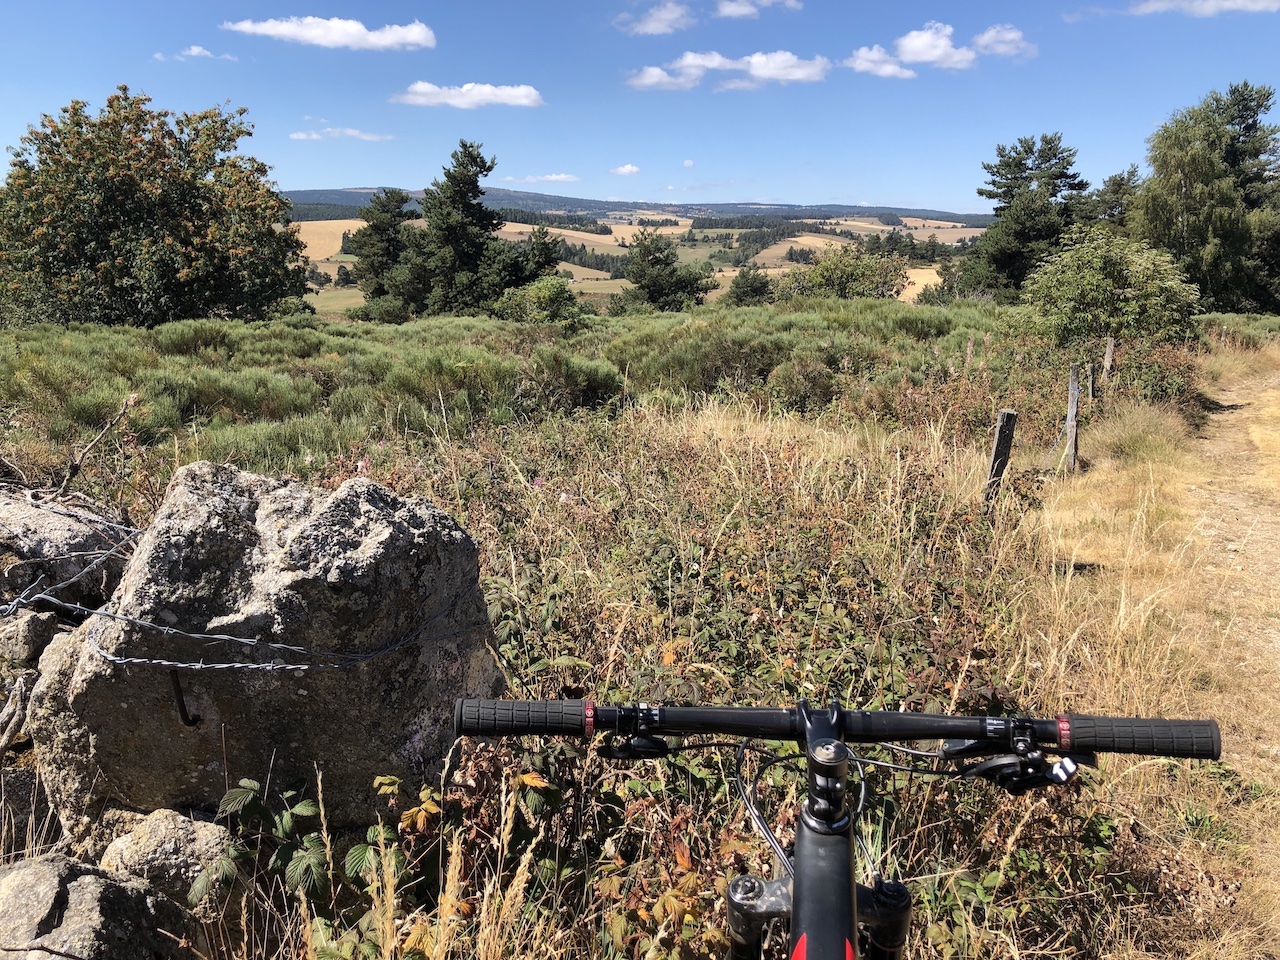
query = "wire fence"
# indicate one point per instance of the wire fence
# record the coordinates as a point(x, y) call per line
point(284, 656)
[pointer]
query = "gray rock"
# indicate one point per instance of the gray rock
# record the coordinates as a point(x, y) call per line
point(169, 851)
point(24, 635)
point(376, 597)
point(51, 544)
point(55, 906)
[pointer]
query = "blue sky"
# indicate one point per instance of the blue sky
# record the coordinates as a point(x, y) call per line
point(794, 101)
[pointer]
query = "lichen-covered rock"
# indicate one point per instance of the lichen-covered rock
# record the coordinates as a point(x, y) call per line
point(360, 619)
point(48, 544)
point(169, 851)
point(25, 634)
point(55, 906)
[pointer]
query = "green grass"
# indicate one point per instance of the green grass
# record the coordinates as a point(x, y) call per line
point(746, 505)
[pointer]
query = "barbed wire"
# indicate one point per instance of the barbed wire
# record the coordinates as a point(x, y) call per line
point(37, 594)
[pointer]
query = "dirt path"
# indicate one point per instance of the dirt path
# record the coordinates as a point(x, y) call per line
point(1236, 506)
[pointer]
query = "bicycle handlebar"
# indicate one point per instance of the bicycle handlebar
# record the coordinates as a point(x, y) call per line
point(1190, 739)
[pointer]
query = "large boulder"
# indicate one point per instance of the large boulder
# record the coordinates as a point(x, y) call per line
point(53, 906)
point(360, 619)
point(47, 544)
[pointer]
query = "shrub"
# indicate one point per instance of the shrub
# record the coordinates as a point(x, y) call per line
point(749, 288)
point(546, 300)
point(1102, 284)
point(386, 309)
point(846, 272)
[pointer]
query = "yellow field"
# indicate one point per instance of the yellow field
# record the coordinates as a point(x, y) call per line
point(918, 278)
point(775, 256)
point(324, 237)
point(596, 243)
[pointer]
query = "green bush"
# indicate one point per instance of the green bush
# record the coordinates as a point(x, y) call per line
point(845, 272)
point(1102, 284)
point(546, 300)
point(387, 309)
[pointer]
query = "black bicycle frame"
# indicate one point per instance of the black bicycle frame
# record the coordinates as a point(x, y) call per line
point(833, 917)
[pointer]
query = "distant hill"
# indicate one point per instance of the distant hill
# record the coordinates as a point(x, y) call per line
point(330, 205)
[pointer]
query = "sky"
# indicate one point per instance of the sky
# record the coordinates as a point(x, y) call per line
point(677, 101)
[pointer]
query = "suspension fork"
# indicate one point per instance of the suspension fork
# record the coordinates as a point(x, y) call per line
point(832, 916)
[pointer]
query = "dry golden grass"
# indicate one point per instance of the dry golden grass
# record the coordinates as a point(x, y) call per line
point(1165, 602)
point(323, 238)
point(917, 279)
point(775, 256)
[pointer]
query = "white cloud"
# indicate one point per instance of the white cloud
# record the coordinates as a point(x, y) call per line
point(195, 51)
point(739, 9)
point(336, 32)
point(662, 19)
point(1006, 40)
point(1206, 8)
point(544, 178)
point(688, 71)
point(687, 164)
point(626, 170)
point(334, 133)
point(932, 45)
point(877, 61)
point(469, 96)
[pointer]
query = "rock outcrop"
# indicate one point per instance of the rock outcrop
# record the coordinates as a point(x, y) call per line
point(45, 545)
point(53, 906)
point(263, 629)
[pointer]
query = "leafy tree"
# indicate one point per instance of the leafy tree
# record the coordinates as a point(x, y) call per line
point(659, 280)
point(1213, 198)
point(343, 277)
point(546, 300)
point(1038, 196)
point(1111, 203)
point(1031, 165)
point(846, 272)
point(750, 287)
point(382, 241)
point(1103, 284)
point(140, 216)
point(317, 277)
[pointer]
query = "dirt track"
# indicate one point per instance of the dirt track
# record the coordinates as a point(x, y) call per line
point(1237, 508)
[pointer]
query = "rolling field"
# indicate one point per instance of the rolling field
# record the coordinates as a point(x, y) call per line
point(324, 237)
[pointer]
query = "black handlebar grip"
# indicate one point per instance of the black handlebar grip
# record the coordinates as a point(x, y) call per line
point(1193, 739)
point(513, 718)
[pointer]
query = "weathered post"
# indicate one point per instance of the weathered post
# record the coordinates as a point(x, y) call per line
point(1073, 412)
point(1092, 396)
point(1106, 360)
point(1000, 450)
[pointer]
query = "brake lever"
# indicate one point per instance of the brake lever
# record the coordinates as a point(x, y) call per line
point(634, 748)
point(1018, 774)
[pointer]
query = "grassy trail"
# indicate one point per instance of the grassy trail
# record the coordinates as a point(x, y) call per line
point(1234, 499)
point(1186, 539)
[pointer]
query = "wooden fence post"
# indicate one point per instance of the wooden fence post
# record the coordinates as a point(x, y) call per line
point(1008, 419)
point(1073, 413)
point(1106, 360)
